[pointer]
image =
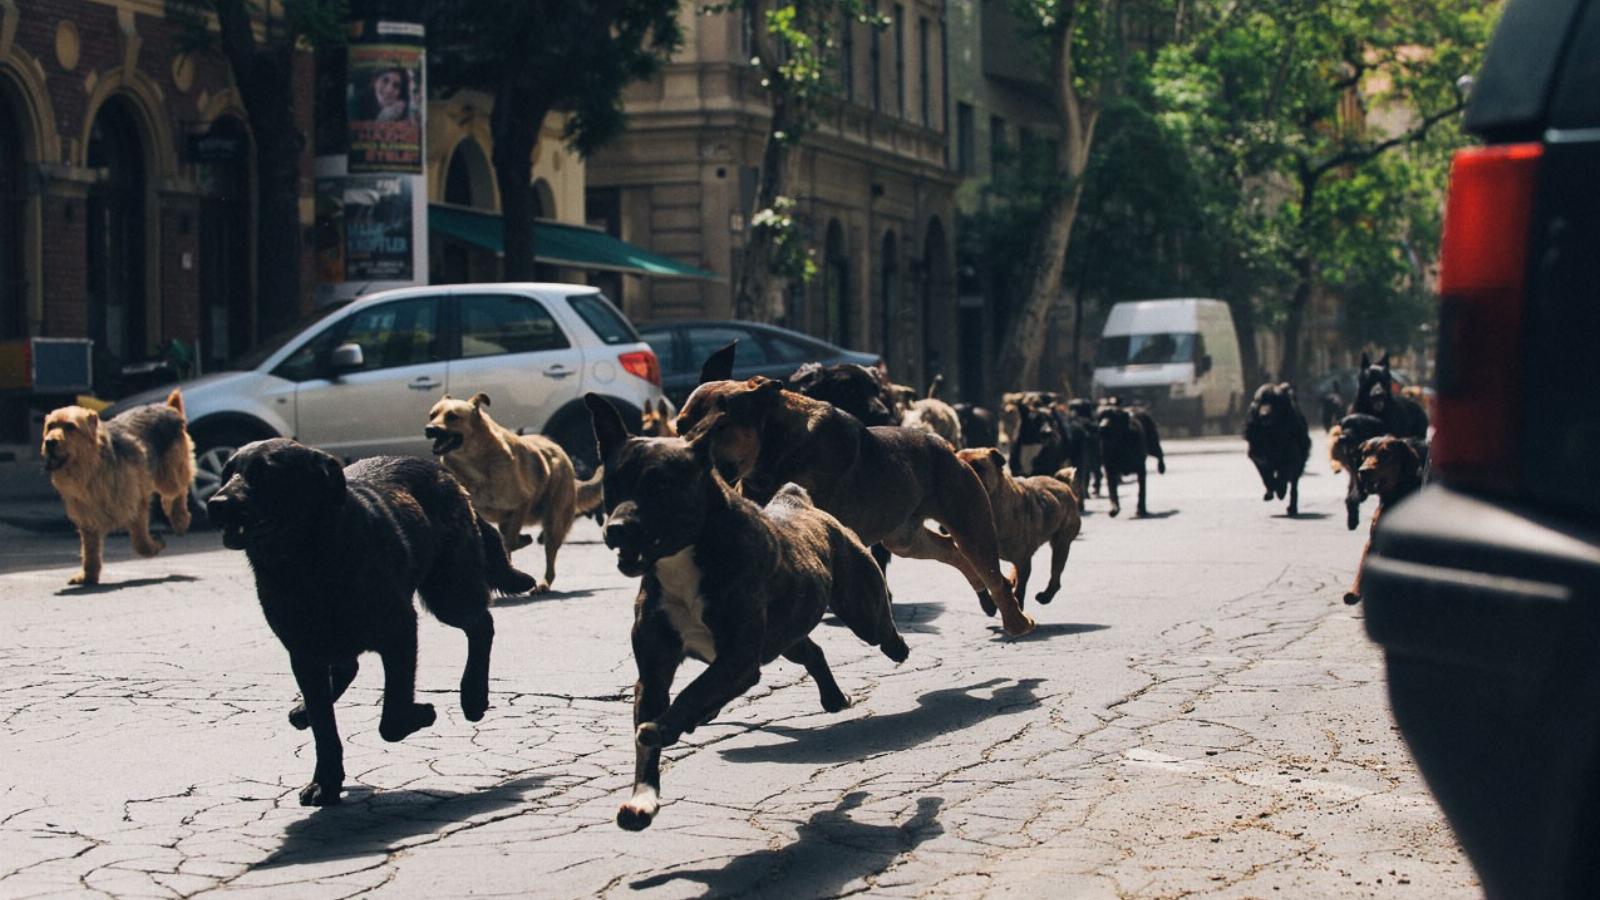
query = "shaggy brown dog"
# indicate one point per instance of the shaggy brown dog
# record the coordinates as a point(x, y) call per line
point(882, 483)
point(656, 421)
point(1392, 468)
point(513, 479)
point(106, 472)
point(1029, 512)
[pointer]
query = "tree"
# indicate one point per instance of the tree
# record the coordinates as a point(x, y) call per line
point(1077, 36)
point(1288, 100)
point(795, 54)
point(539, 56)
point(260, 41)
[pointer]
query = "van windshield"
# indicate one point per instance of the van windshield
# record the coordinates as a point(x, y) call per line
point(1144, 349)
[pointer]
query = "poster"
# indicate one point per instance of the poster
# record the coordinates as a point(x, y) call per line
point(385, 98)
point(364, 229)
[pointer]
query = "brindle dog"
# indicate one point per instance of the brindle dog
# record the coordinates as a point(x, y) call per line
point(726, 582)
point(883, 483)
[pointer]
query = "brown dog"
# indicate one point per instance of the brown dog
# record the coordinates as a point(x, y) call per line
point(1028, 513)
point(883, 483)
point(106, 472)
point(656, 421)
point(513, 479)
point(1392, 468)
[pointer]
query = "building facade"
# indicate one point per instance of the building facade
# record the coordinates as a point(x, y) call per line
point(874, 189)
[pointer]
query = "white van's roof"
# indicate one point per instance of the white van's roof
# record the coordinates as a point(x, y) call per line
point(1179, 315)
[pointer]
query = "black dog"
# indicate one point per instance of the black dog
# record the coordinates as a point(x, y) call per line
point(1279, 440)
point(1402, 416)
point(1344, 450)
point(858, 390)
point(980, 427)
point(337, 554)
point(726, 582)
point(1127, 437)
point(1082, 411)
point(1047, 441)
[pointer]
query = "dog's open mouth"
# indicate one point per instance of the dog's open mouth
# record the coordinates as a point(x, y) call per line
point(446, 441)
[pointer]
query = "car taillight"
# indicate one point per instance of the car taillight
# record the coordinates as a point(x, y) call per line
point(1483, 260)
point(643, 364)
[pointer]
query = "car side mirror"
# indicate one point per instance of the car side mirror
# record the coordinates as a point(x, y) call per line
point(1203, 367)
point(347, 357)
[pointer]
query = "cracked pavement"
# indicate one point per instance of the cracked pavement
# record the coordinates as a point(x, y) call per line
point(1197, 714)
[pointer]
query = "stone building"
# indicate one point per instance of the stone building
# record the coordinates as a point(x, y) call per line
point(874, 187)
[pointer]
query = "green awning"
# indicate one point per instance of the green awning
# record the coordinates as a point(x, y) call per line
point(559, 244)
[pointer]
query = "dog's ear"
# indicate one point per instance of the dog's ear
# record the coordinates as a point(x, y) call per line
point(998, 458)
point(331, 472)
point(479, 399)
point(610, 432)
point(719, 365)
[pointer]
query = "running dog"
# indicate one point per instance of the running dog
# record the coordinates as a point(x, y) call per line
point(106, 472)
point(726, 582)
point(1279, 441)
point(1127, 438)
point(882, 483)
point(1029, 512)
point(1375, 396)
point(337, 553)
point(858, 390)
point(514, 479)
point(1344, 454)
point(1048, 440)
point(979, 425)
point(656, 421)
point(934, 416)
point(1082, 410)
point(1392, 468)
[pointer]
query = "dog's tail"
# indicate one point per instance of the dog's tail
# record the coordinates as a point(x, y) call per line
point(498, 571)
point(175, 400)
point(933, 387)
point(589, 492)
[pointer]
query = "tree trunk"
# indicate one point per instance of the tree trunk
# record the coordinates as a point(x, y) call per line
point(514, 124)
point(1290, 370)
point(758, 295)
point(1244, 329)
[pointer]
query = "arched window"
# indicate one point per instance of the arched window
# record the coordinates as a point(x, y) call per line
point(116, 235)
point(836, 286)
point(468, 180)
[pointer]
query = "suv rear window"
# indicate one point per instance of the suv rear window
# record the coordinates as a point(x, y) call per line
point(603, 318)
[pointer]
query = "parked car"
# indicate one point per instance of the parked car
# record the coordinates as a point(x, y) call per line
point(1484, 588)
point(763, 350)
point(1180, 357)
point(358, 380)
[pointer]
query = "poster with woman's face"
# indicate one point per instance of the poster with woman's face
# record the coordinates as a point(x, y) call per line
point(385, 98)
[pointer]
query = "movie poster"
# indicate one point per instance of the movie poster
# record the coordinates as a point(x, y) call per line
point(385, 97)
point(364, 229)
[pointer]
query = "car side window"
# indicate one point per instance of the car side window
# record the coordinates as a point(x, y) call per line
point(781, 349)
point(705, 341)
point(495, 324)
point(402, 333)
point(310, 360)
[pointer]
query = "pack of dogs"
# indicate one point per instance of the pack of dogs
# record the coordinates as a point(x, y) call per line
point(747, 516)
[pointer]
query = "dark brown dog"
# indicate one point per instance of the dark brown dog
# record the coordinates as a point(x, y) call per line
point(882, 483)
point(1391, 468)
point(1028, 513)
point(1344, 454)
point(107, 471)
point(728, 583)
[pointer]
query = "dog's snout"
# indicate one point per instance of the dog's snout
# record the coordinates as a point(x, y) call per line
point(433, 431)
point(620, 533)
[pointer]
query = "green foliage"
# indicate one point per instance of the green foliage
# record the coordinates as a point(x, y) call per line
point(284, 23)
point(790, 256)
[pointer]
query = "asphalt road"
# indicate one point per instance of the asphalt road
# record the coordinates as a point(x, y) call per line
point(1198, 713)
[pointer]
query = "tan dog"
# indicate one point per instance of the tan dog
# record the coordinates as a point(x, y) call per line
point(656, 421)
point(1029, 512)
point(106, 472)
point(514, 479)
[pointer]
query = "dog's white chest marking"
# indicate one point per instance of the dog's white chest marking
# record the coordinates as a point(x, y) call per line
point(1029, 453)
point(682, 602)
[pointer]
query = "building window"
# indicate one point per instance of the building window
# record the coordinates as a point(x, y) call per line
point(875, 62)
point(900, 60)
point(924, 80)
point(965, 142)
point(847, 58)
point(998, 151)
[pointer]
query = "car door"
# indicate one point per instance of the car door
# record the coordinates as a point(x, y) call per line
point(381, 407)
point(512, 348)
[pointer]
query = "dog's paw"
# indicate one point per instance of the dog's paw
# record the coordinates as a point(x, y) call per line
point(524, 540)
point(1161, 466)
point(319, 793)
point(987, 603)
point(835, 702)
point(299, 718)
point(1021, 625)
point(1267, 496)
point(397, 726)
point(1115, 510)
point(83, 578)
point(895, 648)
point(639, 811)
point(1351, 598)
point(474, 700)
point(1044, 597)
point(652, 735)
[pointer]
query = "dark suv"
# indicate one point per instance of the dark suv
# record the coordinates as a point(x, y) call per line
point(1484, 589)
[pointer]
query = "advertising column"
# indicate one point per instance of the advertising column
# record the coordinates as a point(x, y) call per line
point(372, 203)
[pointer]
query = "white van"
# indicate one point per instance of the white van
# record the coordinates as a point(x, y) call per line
point(1180, 357)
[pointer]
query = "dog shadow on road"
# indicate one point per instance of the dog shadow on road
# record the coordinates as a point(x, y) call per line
point(106, 587)
point(541, 597)
point(1164, 514)
point(1302, 515)
point(1045, 631)
point(938, 713)
point(830, 851)
point(909, 618)
point(374, 822)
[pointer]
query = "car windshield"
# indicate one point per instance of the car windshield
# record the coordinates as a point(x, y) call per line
point(608, 324)
point(258, 355)
point(1145, 349)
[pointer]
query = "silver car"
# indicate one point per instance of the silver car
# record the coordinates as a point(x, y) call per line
point(359, 380)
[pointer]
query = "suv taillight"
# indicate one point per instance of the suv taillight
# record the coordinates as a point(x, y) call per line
point(643, 364)
point(1483, 261)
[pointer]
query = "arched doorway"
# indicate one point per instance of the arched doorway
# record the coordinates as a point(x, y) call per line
point(889, 298)
point(937, 300)
point(116, 238)
point(836, 286)
point(13, 281)
point(544, 207)
point(468, 181)
point(223, 174)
